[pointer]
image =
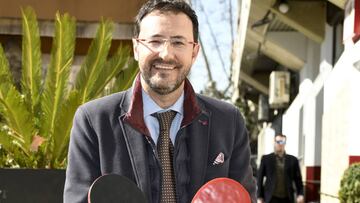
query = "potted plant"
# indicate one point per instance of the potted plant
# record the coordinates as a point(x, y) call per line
point(36, 119)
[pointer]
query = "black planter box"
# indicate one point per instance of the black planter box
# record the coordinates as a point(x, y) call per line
point(31, 185)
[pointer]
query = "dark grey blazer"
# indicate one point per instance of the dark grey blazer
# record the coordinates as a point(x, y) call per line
point(106, 138)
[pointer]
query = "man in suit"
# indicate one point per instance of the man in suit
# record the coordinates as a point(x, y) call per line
point(281, 171)
point(120, 133)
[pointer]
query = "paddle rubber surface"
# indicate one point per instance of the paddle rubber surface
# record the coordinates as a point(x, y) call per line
point(222, 190)
point(113, 188)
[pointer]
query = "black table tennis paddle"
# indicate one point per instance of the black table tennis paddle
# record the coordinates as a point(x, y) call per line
point(113, 188)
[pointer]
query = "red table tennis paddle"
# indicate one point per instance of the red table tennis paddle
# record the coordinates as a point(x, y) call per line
point(113, 188)
point(222, 190)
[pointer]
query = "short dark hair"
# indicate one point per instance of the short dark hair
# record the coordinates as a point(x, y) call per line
point(174, 6)
point(280, 135)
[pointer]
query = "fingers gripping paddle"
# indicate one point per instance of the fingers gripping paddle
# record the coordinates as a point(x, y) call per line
point(222, 190)
point(113, 188)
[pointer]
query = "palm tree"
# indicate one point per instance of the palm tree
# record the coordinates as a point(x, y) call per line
point(35, 120)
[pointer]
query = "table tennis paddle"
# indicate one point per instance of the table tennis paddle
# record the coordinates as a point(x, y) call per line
point(222, 190)
point(113, 188)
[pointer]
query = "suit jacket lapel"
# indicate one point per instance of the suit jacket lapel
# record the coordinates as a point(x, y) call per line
point(135, 142)
point(286, 164)
point(198, 149)
point(136, 146)
point(273, 165)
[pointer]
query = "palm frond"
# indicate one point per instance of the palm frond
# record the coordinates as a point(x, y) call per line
point(111, 69)
point(5, 139)
point(125, 78)
point(18, 119)
point(63, 127)
point(31, 58)
point(95, 60)
point(5, 75)
point(56, 84)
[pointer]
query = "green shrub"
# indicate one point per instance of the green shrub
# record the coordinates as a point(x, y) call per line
point(35, 119)
point(350, 185)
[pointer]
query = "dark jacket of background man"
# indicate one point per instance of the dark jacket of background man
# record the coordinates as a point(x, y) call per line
point(292, 175)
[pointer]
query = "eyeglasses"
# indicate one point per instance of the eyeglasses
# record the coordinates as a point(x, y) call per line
point(280, 142)
point(158, 44)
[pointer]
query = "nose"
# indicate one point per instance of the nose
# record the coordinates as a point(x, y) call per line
point(166, 52)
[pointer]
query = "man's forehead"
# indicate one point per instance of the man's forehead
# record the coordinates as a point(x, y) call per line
point(168, 24)
point(156, 15)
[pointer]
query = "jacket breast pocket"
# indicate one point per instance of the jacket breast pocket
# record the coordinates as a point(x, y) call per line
point(218, 165)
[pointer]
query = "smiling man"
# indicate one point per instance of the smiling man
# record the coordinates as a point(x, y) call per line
point(160, 134)
point(165, 50)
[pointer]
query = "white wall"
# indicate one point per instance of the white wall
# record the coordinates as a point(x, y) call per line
point(265, 141)
point(340, 122)
point(299, 121)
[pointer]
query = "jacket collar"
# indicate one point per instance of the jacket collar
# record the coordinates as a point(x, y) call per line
point(134, 115)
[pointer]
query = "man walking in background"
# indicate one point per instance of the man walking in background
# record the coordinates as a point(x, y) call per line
point(281, 171)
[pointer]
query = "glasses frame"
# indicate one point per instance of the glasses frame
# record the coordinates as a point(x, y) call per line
point(165, 40)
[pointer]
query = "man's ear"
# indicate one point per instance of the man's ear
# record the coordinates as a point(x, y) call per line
point(195, 52)
point(135, 49)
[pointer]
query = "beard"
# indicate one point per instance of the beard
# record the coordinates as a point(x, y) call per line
point(159, 82)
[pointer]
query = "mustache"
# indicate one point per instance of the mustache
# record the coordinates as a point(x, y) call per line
point(168, 62)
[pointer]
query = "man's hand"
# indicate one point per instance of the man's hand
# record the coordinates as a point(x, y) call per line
point(260, 200)
point(300, 199)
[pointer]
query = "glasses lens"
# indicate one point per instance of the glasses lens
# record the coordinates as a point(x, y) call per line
point(281, 142)
point(158, 44)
